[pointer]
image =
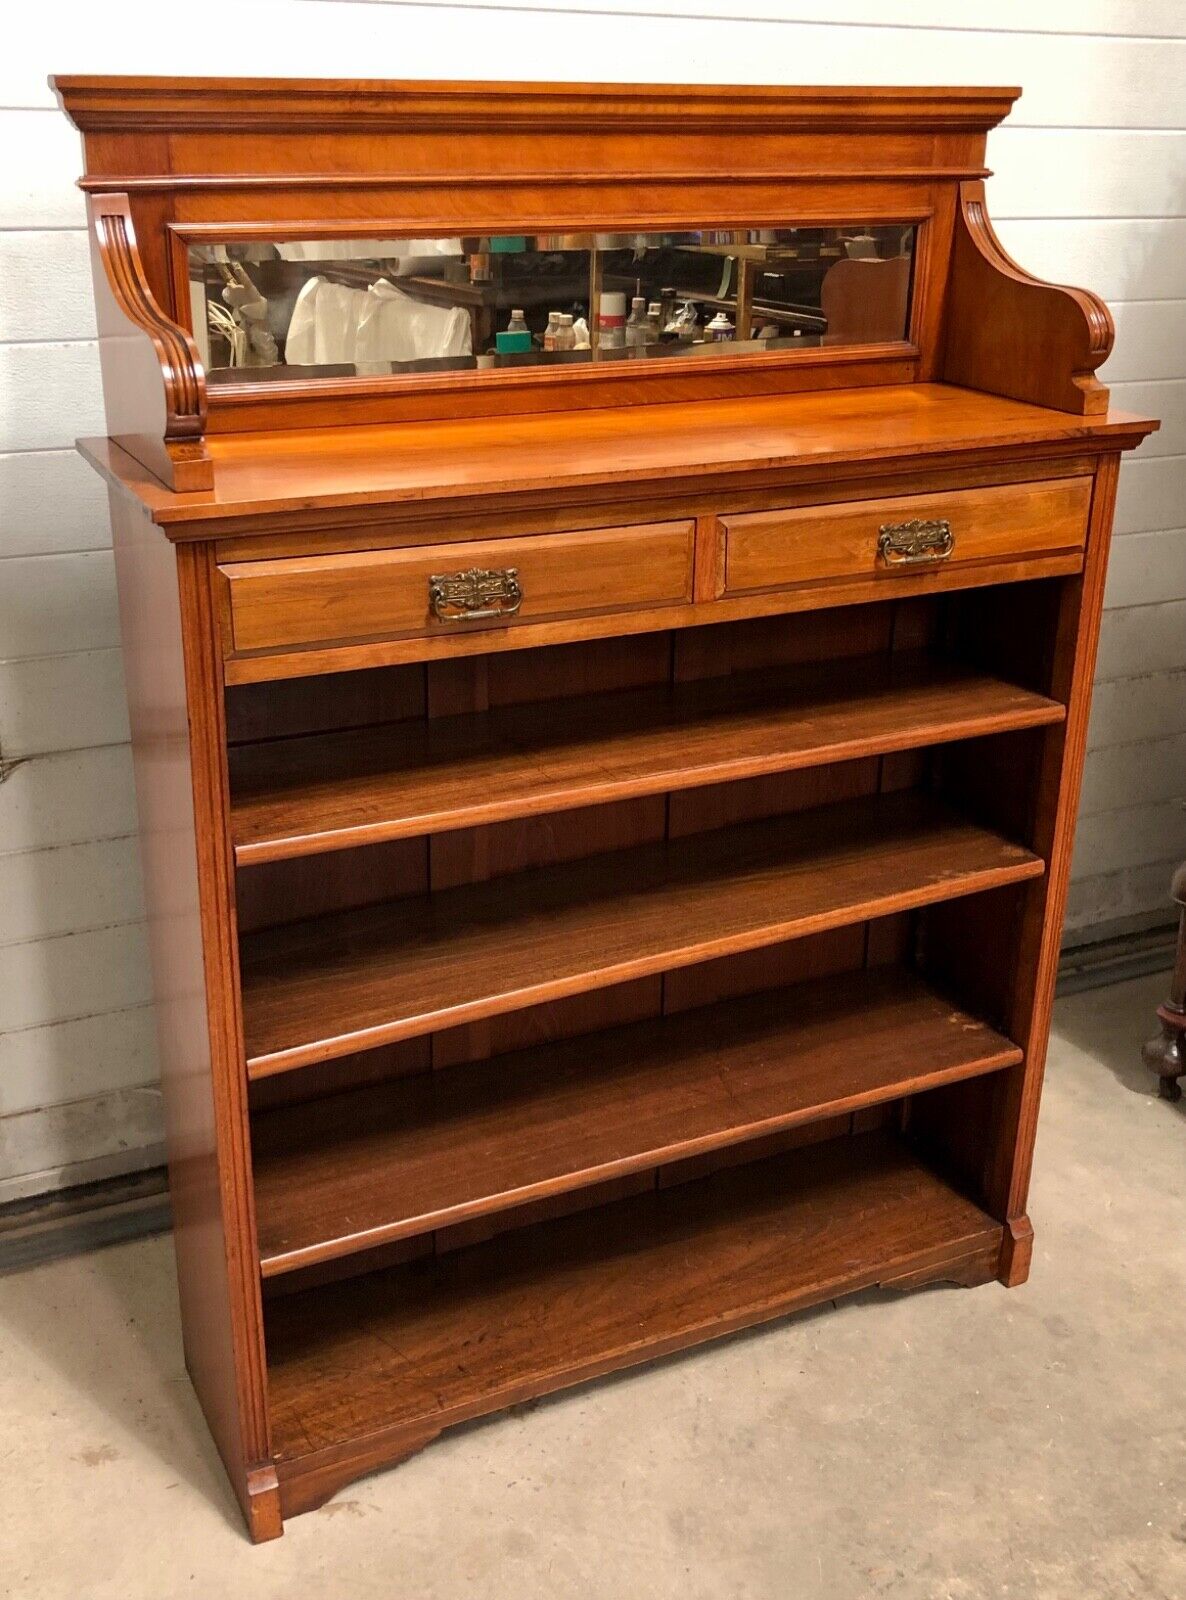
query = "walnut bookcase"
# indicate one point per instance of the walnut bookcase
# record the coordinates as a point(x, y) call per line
point(606, 824)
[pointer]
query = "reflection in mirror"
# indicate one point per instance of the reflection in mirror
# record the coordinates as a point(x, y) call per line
point(344, 307)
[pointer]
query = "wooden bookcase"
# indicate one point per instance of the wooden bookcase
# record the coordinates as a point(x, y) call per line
point(657, 932)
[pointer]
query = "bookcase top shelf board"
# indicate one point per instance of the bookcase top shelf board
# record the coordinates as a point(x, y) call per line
point(806, 434)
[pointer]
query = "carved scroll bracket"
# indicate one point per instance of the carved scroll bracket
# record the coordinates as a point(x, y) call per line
point(1009, 333)
point(154, 387)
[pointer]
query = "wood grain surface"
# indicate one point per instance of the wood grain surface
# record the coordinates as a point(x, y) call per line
point(297, 601)
point(340, 983)
point(540, 1308)
point(389, 1160)
point(293, 797)
point(264, 473)
point(771, 549)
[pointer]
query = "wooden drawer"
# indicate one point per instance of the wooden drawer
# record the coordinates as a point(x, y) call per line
point(306, 600)
point(779, 549)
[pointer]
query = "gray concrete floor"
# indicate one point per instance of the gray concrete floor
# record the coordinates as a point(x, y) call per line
point(945, 1445)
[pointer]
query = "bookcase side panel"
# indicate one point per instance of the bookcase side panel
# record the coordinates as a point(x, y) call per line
point(1058, 805)
point(175, 708)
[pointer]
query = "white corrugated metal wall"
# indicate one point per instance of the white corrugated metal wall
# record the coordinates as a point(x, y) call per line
point(1090, 188)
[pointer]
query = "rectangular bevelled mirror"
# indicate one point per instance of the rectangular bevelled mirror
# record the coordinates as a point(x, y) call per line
point(268, 312)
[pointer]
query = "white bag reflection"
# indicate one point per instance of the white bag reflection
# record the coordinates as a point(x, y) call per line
point(334, 325)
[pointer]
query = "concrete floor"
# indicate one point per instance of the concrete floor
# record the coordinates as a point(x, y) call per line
point(945, 1445)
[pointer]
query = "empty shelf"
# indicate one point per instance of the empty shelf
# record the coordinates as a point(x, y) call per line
point(405, 1352)
point(323, 792)
point(348, 981)
point(379, 1163)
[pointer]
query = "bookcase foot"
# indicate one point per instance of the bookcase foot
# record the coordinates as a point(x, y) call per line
point(262, 1505)
point(1017, 1248)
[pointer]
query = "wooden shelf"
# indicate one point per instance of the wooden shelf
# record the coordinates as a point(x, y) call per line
point(336, 984)
point(387, 1161)
point(415, 1348)
point(273, 472)
point(293, 797)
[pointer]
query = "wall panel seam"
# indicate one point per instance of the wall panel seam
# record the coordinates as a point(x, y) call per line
point(71, 844)
point(70, 933)
point(86, 1016)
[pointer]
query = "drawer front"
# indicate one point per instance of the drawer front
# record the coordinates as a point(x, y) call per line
point(442, 589)
point(778, 549)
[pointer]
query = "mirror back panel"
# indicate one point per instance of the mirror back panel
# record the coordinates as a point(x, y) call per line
point(265, 311)
point(366, 268)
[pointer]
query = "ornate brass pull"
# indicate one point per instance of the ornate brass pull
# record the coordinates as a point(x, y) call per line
point(475, 595)
point(910, 544)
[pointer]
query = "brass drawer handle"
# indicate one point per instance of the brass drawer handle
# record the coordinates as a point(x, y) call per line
point(910, 544)
point(475, 595)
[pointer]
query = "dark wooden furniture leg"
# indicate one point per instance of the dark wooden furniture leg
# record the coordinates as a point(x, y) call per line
point(1165, 1055)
